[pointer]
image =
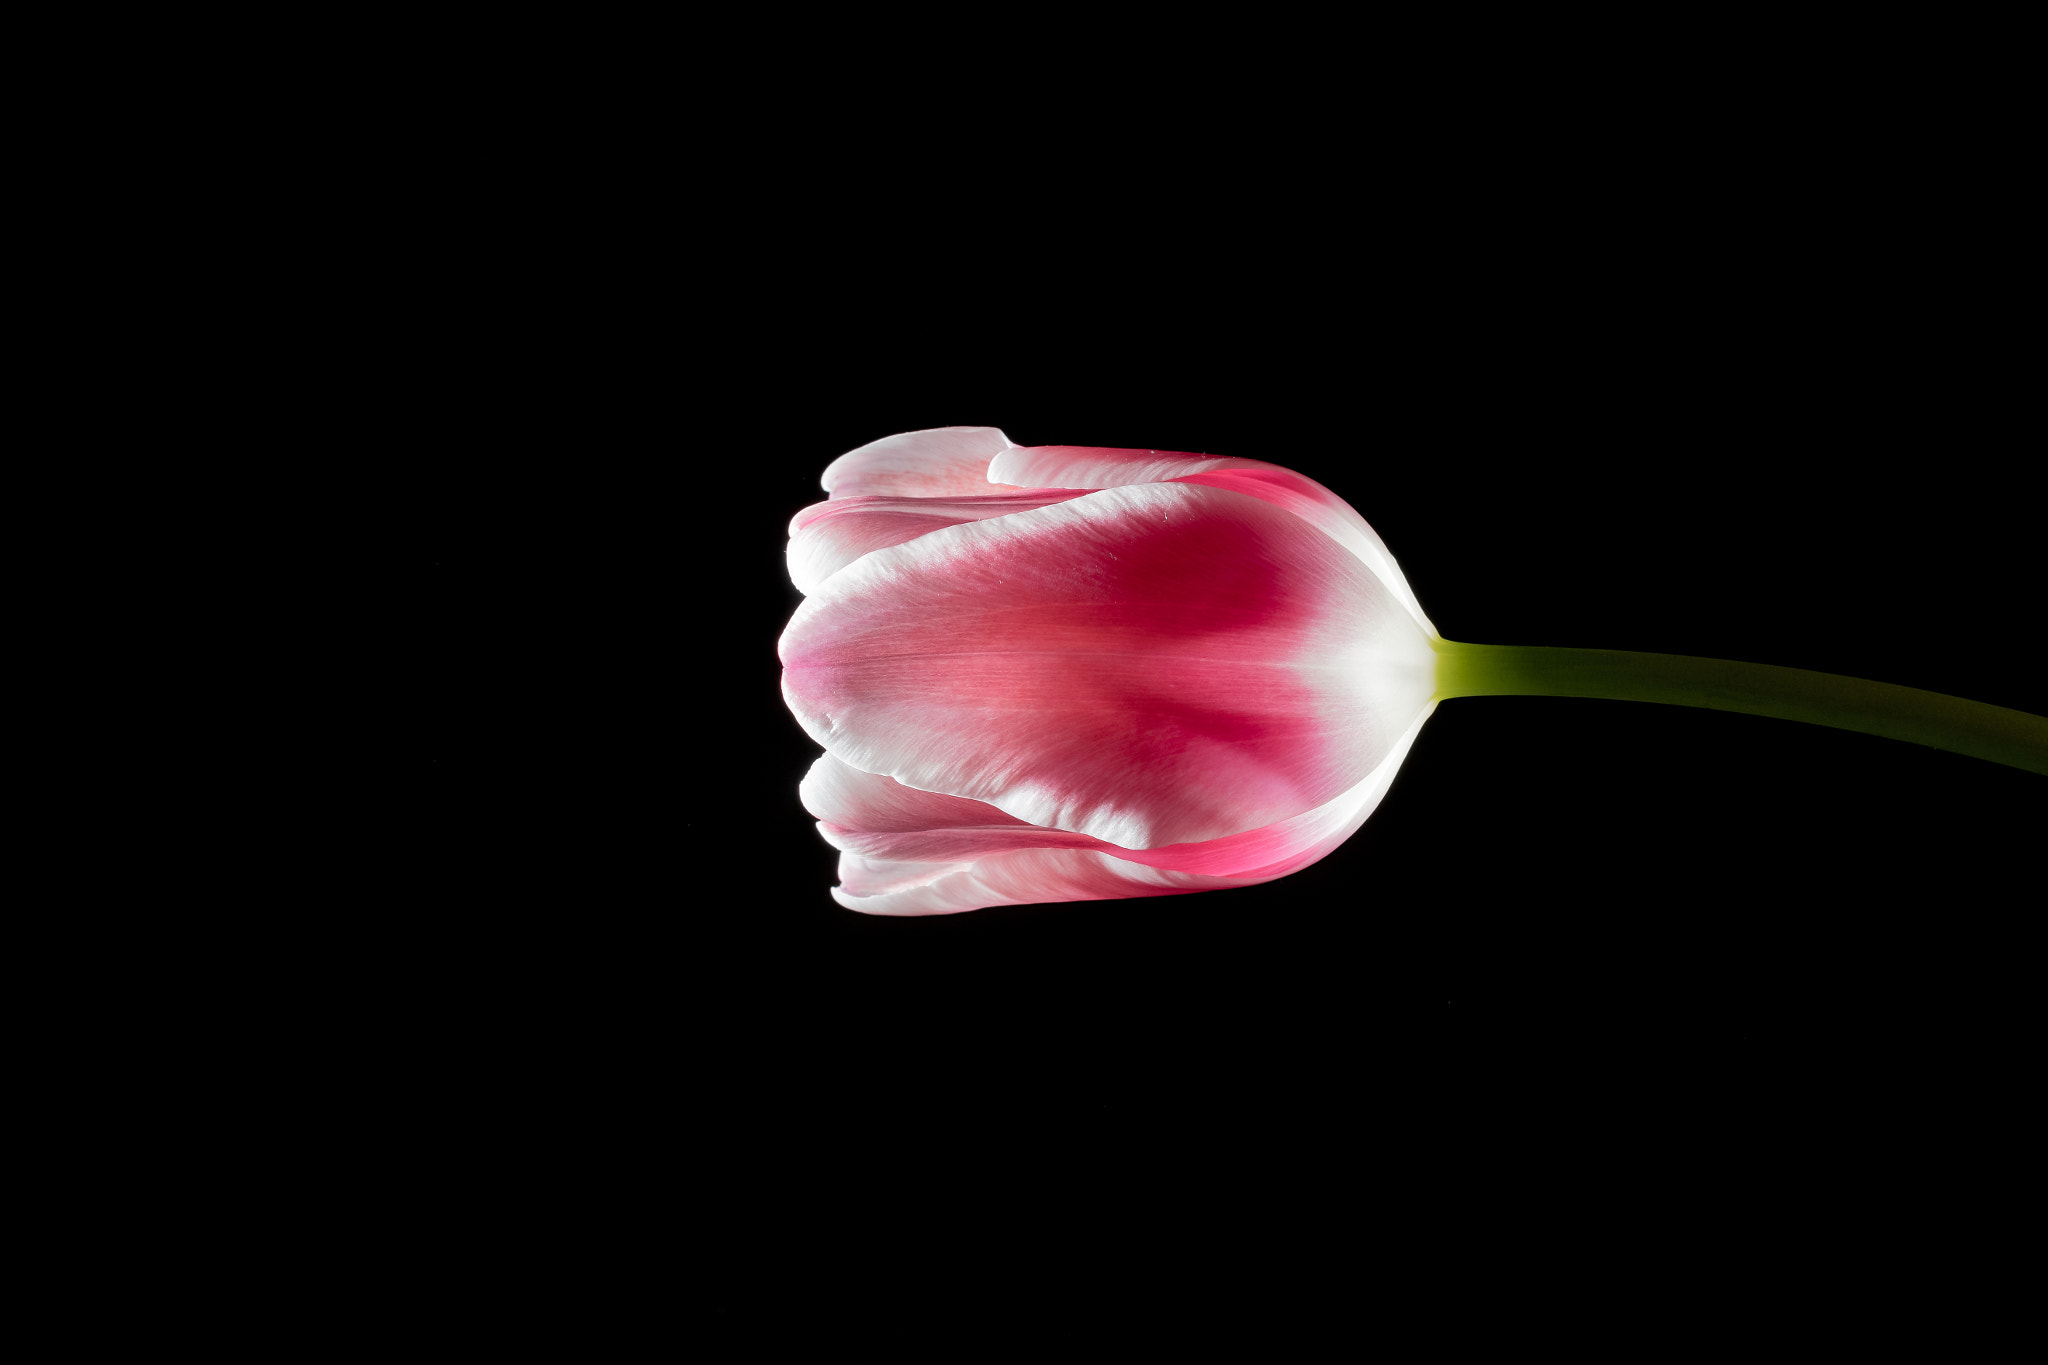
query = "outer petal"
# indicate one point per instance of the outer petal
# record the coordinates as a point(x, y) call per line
point(1286, 846)
point(957, 873)
point(859, 876)
point(880, 818)
point(839, 793)
point(827, 536)
point(1027, 877)
point(1148, 665)
point(940, 463)
point(1102, 467)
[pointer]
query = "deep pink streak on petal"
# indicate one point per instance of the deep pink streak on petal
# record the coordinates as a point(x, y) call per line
point(1106, 467)
point(827, 536)
point(1147, 665)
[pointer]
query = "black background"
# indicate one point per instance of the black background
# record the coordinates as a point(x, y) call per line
point(1560, 902)
point(1682, 388)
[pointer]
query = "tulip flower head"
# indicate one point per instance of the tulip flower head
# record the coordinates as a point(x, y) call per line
point(1062, 673)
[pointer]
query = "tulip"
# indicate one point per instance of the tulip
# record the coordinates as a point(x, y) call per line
point(1062, 673)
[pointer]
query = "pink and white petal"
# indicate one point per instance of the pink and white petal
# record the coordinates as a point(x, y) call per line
point(874, 885)
point(1148, 665)
point(827, 536)
point(1028, 877)
point(879, 817)
point(1337, 518)
point(838, 793)
point(862, 876)
point(1261, 855)
point(941, 462)
point(1103, 467)
point(956, 844)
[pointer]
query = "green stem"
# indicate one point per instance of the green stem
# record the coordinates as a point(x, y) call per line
point(1963, 727)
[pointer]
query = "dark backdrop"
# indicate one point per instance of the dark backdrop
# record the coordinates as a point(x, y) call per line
point(1751, 412)
point(1556, 895)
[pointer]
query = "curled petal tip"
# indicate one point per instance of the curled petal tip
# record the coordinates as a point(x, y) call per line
point(941, 462)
